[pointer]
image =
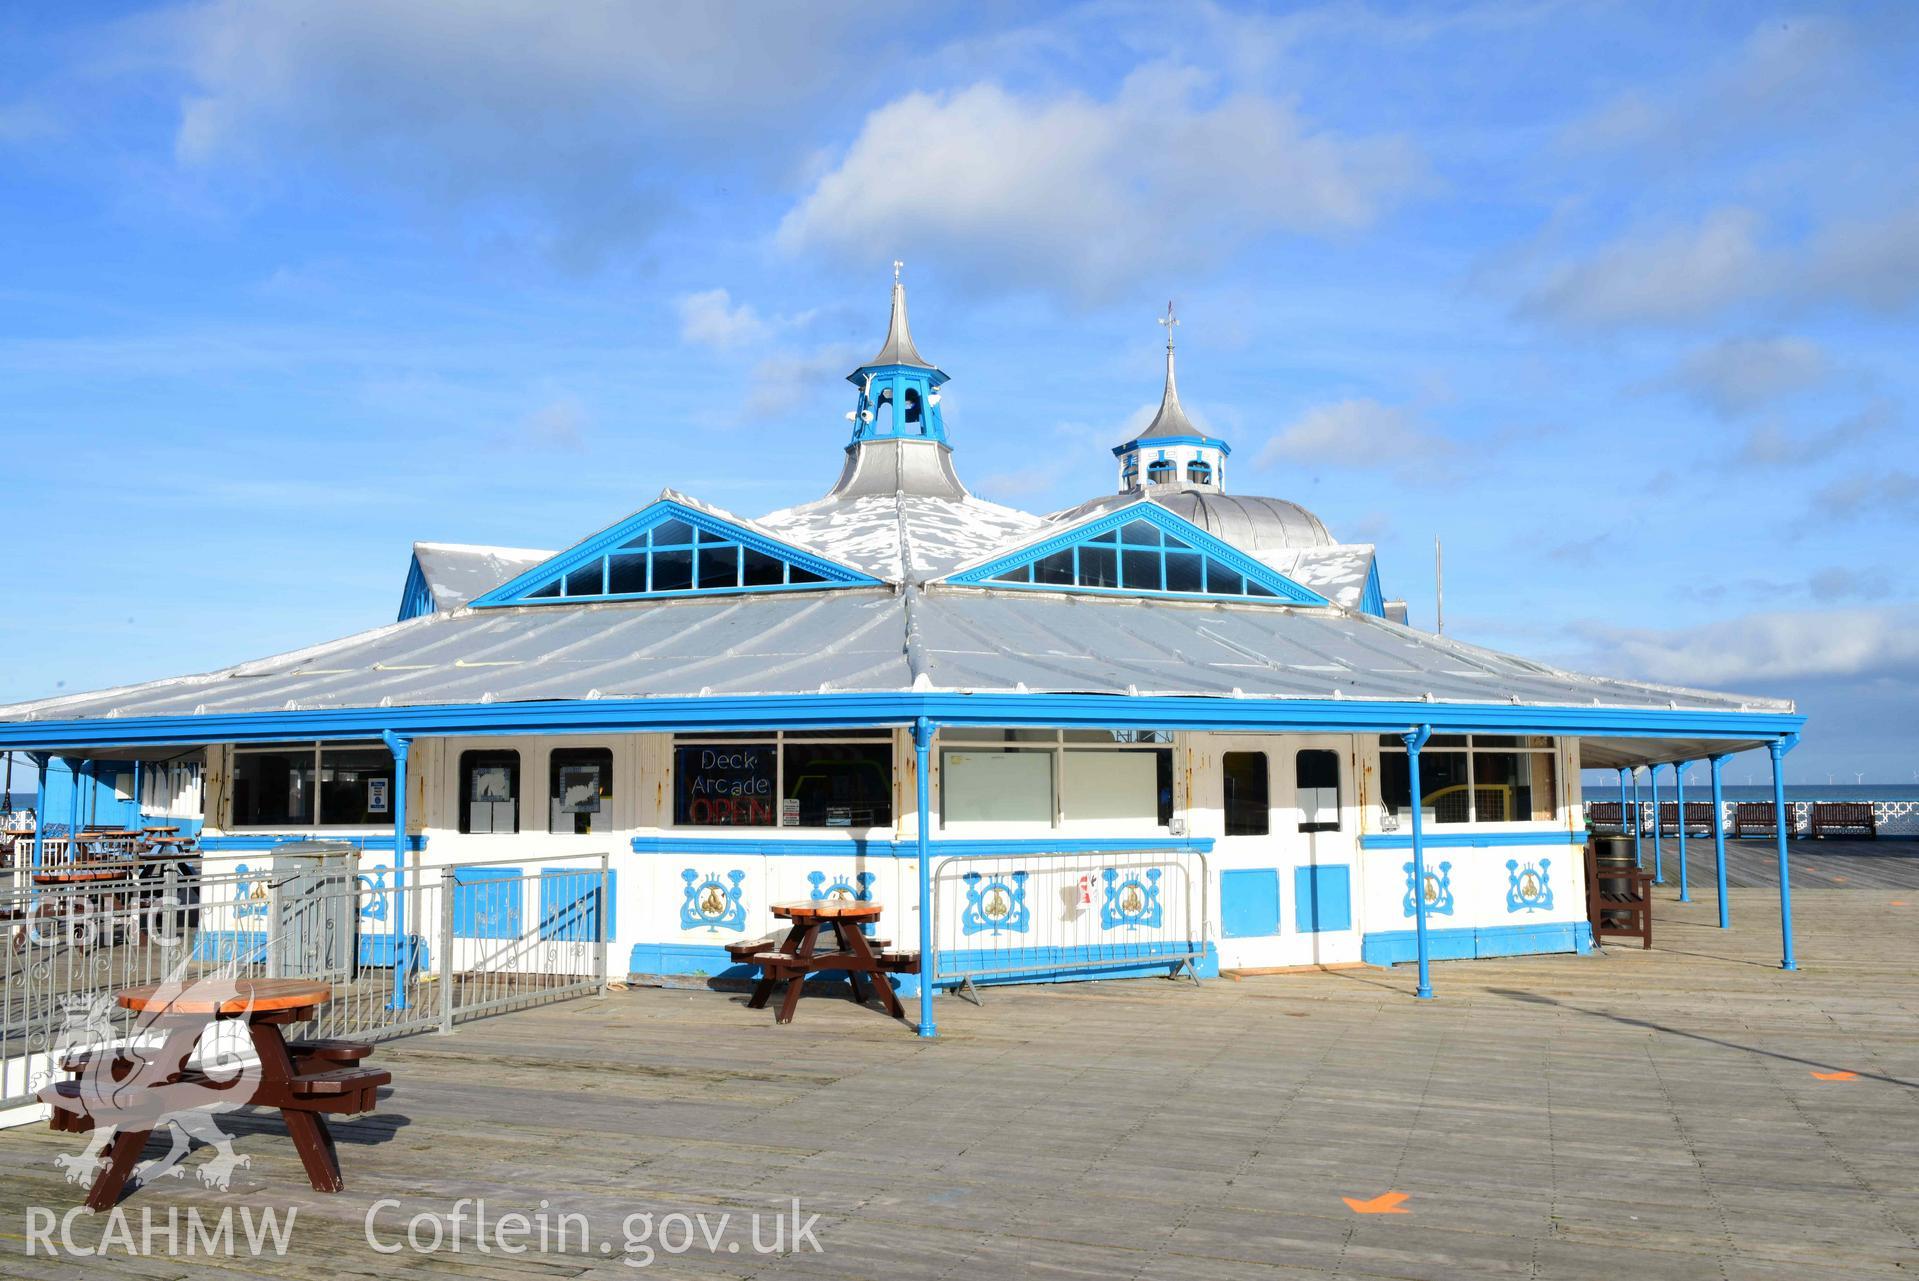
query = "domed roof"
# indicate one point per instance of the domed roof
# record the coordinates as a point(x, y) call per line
point(1248, 522)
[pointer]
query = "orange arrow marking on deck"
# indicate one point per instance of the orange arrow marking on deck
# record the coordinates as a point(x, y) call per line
point(1899, 902)
point(1384, 1203)
point(1835, 1076)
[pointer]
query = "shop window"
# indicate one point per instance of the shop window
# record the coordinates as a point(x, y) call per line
point(836, 779)
point(1481, 779)
point(1316, 790)
point(489, 792)
point(1085, 777)
point(1247, 800)
point(308, 786)
point(579, 790)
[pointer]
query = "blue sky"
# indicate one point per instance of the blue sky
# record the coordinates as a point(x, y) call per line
point(1617, 300)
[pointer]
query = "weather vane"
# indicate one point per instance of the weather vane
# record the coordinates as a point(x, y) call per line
point(1168, 320)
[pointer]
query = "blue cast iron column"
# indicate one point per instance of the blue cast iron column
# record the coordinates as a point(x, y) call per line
point(1658, 855)
point(402, 954)
point(922, 751)
point(1622, 802)
point(40, 813)
point(1638, 823)
point(1679, 785)
point(1719, 840)
point(73, 808)
point(1778, 752)
point(1416, 739)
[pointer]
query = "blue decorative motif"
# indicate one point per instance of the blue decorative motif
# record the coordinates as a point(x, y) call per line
point(858, 888)
point(373, 894)
point(1529, 888)
point(1439, 891)
point(713, 902)
point(1132, 902)
point(995, 905)
point(250, 893)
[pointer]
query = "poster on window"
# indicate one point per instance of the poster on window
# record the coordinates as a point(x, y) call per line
point(378, 795)
point(579, 789)
point(490, 799)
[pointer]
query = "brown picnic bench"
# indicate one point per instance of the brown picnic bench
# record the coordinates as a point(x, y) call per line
point(1849, 817)
point(133, 1090)
point(790, 959)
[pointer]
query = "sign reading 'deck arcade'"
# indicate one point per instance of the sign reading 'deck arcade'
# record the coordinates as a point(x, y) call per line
point(725, 785)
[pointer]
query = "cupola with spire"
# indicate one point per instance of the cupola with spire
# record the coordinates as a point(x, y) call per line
point(898, 390)
point(1171, 453)
point(899, 435)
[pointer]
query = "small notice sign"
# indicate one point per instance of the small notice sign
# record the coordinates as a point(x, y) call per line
point(379, 793)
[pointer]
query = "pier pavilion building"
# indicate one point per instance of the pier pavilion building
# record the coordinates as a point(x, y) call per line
point(1175, 725)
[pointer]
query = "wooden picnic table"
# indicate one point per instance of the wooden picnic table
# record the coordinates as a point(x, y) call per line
point(304, 1080)
point(789, 960)
point(160, 831)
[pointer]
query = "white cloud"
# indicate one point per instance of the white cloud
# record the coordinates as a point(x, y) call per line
point(1776, 77)
point(1766, 647)
point(1355, 433)
point(1884, 491)
point(711, 319)
point(552, 120)
point(1771, 444)
point(1676, 275)
point(1742, 374)
point(1087, 194)
point(1872, 262)
point(787, 379)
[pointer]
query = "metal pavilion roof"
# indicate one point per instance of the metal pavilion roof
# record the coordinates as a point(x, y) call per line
point(856, 640)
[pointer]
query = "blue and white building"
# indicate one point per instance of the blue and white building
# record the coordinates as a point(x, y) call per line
point(1175, 723)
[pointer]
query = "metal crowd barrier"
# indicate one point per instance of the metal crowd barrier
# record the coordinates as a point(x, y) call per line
point(1011, 917)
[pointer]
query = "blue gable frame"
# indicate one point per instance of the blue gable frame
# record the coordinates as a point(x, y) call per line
point(671, 549)
point(1373, 599)
point(1141, 535)
point(416, 598)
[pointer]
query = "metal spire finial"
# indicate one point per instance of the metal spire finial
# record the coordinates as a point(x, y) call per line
point(1168, 320)
point(897, 264)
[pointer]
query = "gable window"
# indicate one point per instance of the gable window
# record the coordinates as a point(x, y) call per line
point(660, 553)
point(1137, 557)
point(306, 785)
point(1056, 778)
point(838, 778)
point(489, 792)
point(579, 790)
point(1482, 778)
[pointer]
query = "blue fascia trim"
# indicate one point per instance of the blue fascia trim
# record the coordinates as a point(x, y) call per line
point(239, 842)
point(1394, 947)
point(1287, 591)
point(899, 707)
point(1152, 442)
point(828, 847)
point(655, 513)
point(1468, 840)
point(931, 373)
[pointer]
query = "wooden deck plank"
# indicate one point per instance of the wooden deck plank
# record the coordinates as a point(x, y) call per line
point(1147, 1128)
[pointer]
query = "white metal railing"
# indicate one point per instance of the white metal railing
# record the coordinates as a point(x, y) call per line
point(452, 943)
point(1020, 915)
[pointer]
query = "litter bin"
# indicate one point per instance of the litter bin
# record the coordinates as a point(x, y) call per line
point(314, 907)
